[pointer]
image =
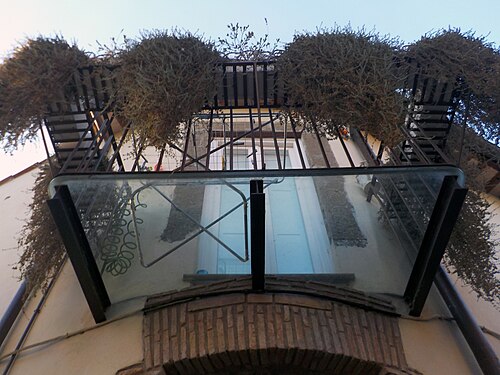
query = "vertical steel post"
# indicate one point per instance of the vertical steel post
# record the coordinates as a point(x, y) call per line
point(73, 236)
point(257, 233)
point(441, 222)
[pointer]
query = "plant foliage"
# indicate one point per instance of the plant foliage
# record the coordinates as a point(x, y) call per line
point(471, 251)
point(241, 43)
point(43, 251)
point(473, 65)
point(34, 76)
point(163, 79)
point(345, 77)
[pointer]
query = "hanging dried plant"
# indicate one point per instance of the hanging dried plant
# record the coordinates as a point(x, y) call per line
point(471, 252)
point(163, 79)
point(34, 76)
point(343, 77)
point(43, 250)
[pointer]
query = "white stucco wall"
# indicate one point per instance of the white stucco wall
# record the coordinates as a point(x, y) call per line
point(15, 196)
point(100, 351)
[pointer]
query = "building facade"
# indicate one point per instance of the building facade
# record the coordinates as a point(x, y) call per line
point(256, 245)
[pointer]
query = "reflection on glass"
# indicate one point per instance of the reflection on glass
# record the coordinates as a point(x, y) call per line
point(150, 235)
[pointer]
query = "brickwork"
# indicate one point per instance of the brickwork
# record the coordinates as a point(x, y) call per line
point(240, 332)
point(276, 284)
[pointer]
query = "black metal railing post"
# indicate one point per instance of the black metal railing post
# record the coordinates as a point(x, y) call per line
point(257, 233)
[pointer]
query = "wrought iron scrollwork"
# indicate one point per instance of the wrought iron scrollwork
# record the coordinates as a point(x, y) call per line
point(119, 244)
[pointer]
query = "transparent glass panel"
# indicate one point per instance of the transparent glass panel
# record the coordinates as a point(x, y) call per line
point(151, 233)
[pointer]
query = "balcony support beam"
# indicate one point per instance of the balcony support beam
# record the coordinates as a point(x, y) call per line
point(257, 233)
point(73, 236)
point(448, 205)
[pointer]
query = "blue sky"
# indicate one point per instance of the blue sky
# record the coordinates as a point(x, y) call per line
point(86, 21)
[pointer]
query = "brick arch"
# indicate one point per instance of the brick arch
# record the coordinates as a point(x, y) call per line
point(274, 361)
point(293, 328)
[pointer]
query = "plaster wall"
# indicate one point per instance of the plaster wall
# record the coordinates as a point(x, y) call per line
point(15, 196)
point(103, 350)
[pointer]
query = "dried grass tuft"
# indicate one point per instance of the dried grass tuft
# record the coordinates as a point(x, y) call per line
point(34, 76)
point(43, 250)
point(163, 79)
point(471, 252)
point(345, 77)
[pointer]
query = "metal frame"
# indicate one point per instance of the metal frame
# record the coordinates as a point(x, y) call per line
point(258, 234)
point(441, 223)
point(70, 228)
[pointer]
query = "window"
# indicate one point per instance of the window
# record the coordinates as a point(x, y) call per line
point(296, 239)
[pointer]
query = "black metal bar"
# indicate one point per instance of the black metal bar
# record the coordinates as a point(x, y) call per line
point(265, 89)
point(49, 159)
point(186, 144)
point(344, 147)
point(195, 148)
point(224, 86)
point(85, 92)
point(220, 147)
point(254, 151)
point(209, 141)
point(464, 126)
point(196, 160)
point(104, 152)
point(75, 149)
point(441, 222)
point(380, 152)
point(422, 157)
point(116, 154)
point(160, 158)
point(70, 228)
point(479, 345)
point(95, 91)
point(137, 157)
point(323, 152)
point(442, 169)
point(275, 140)
point(365, 148)
point(96, 142)
point(76, 92)
point(235, 85)
point(297, 143)
point(116, 149)
point(257, 233)
point(259, 117)
point(245, 86)
point(231, 136)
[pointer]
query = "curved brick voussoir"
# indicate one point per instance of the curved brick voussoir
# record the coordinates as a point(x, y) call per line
point(270, 333)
